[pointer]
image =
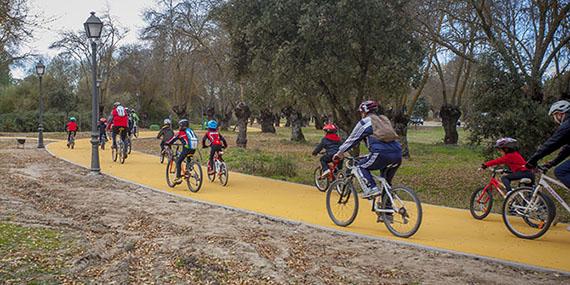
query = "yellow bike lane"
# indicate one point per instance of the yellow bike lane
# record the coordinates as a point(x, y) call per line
point(442, 228)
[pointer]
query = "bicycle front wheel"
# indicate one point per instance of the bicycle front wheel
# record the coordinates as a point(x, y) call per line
point(171, 172)
point(122, 153)
point(526, 214)
point(481, 203)
point(342, 202)
point(194, 176)
point(114, 153)
point(322, 183)
point(407, 216)
point(224, 173)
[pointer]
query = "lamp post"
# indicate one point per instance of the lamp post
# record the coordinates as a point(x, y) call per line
point(100, 98)
point(40, 70)
point(93, 28)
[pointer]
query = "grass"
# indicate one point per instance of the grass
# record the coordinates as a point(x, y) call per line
point(30, 255)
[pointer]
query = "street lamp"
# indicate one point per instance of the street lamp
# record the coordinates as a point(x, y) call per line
point(100, 98)
point(93, 28)
point(40, 70)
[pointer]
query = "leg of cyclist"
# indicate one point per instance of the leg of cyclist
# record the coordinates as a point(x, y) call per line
point(325, 160)
point(68, 138)
point(114, 132)
point(124, 140)
point(179, 161)
point(506, 179)
point(562, 172)
point(213, 150)
point(365, 165)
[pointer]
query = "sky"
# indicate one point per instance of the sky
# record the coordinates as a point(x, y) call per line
point(71, 14)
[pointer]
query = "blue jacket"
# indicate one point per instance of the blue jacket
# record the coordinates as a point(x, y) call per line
point(363, 130)
point(560, 138)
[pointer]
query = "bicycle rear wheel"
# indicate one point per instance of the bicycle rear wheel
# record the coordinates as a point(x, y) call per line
point(171, 172)
point(122, 153)
point(342, 202)
point(224, 174)
point(114, 153)
point(129, 146)
point(211, 175)
point(481, 203)
point(194, 176)
point(407, 218)
point(322, 183)
point(527, 215)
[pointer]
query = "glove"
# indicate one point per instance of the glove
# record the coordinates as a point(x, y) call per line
point(530, 165)
point(548, 165)
point(483, 166)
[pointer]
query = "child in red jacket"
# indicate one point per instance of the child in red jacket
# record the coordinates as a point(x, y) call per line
point(512, 159)
point(71, 128)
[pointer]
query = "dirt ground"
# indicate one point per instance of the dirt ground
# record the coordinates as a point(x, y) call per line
point(115, 232)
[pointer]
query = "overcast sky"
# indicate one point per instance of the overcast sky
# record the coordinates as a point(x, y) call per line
point(71, 14)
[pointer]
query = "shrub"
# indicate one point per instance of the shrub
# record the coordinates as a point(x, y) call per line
point(260, 164)
point(154, 127)
point(53, 121)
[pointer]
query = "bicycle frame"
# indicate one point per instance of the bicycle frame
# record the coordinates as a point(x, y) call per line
point(544, 183)
point(355, 172)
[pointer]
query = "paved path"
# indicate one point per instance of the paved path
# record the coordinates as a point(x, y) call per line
point(444, 228)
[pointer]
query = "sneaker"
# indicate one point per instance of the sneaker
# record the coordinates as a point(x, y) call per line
point(178, 180)
point(325, 173)
point(371, 193)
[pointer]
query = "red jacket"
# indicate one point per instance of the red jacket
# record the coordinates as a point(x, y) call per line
point(215, 138)
point(71, 126)
point(119, 121)
point(513, 160)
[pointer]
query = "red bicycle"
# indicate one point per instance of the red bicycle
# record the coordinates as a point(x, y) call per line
point(220, 169)
point(323, 182)
point(481, 201)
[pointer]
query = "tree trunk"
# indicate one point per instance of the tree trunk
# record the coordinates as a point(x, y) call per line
point(266, 121)
point(277, 120)
point(225, 121)
point(449, 116)
point(242, 113)
point(296, 119)
point(180, 111)
point(400, 121)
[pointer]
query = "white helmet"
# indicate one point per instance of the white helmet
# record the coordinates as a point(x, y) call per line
point(167, 122)
point(560, 106)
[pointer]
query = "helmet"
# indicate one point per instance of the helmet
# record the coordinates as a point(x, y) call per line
point(72, 119)
point(562, 106)
point(183, 123)
point(117, 104)
point(330, 128)
point(212, 124)
point(167, 121)
point(509, 143)
point(368, 106)
point(103, 119)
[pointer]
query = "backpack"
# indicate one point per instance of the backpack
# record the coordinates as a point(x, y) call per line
point(382, 128)
point(121, 111)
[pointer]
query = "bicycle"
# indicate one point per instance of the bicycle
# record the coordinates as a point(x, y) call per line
point(102, 141)
point(119, 151)
point(190, 170)
point(129, 143)
point(220, 169)
point(166, 152)
point(71, 141)
point(481, 201)
point(536, 209)
point(396, 206)
point(323, 182)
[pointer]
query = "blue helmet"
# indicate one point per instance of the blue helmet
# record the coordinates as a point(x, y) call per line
point(212, 124)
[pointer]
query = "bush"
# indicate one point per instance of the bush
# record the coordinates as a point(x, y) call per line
point(53, 121)
point(154, 127)
point(260, 164)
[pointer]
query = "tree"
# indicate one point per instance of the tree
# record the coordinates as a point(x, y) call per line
point(17, 25)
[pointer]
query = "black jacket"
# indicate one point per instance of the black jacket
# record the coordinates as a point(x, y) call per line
point(560, 138)
point(331, 146)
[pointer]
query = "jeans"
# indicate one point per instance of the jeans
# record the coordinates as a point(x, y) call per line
point(183, 154)
point(123, 136)
point(562, 172)
point(387, 163)
point(516, 176)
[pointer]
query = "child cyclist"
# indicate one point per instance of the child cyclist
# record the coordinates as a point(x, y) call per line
point(71, 128)
point(217, 143)
point(508, 148)
point(166, 133)
point(102, 126)
point(330, 143)
point(189, 142)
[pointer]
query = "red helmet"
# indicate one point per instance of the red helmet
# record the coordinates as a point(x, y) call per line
point(368, 106)
point(330, 128)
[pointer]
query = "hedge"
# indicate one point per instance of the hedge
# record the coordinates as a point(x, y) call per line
point(53, 122)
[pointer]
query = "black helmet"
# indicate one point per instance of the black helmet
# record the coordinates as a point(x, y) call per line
point(183, 123)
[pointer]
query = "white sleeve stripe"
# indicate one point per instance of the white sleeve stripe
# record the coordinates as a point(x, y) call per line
point(355, 135)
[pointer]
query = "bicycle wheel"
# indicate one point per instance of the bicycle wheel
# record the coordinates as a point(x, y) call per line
point(129, 145)
point(527, 215)
point(481, 203)
point(211, 176)
point(407, 217)
point(342, 202)
point(194, 176)
point(161, 157)
point(122, 153)
point(224, 174)
point(114, 153)
point(171, 172)
point(322, 183)
point(72, 144)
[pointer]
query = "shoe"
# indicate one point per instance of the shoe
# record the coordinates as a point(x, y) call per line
point(178, 180)
point(325, 173)
point(371, 193)
point(211, 171)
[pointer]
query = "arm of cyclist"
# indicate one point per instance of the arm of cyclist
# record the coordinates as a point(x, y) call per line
point(224, 142)
point(362, 130)
point(557, 140)
point(204, 139)
point(562, 155)
point(318, 148)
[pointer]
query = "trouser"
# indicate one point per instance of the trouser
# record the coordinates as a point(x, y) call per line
point(562, 172)
point(213, 150)
point(325, 160)
point(387, 163)
point(69, 135)
point(183, 154)
point(123, 133)
point(102, 136)
point(506, 179)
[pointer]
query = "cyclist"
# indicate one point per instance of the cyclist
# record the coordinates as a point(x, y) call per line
point(508, 147)
point(217, 143)
point(560, 139)
point(131, 122)
point(136, 120)
point(385, 151)
point(117, 120)
point(330, 143)
point(166, 133)
point(189, 143)
point(71, 128)
point(102, 127)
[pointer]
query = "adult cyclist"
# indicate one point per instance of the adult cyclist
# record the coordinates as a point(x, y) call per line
point(117, 120)
point(385, 151)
